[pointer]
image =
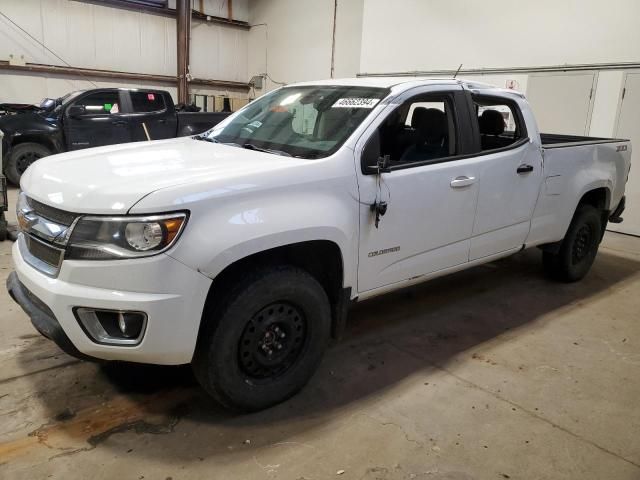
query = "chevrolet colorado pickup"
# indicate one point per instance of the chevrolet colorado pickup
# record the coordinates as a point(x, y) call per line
point(239, 250)
point(91, 118)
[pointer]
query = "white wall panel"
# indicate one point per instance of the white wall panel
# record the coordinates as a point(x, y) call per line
point(296, 39)
point(348, 38)
point(409, 35)
point(605, 105)
point(218, 51)
point(92, 36)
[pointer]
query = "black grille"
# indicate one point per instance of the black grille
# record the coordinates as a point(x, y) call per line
point(44, 252)
point(51, 213)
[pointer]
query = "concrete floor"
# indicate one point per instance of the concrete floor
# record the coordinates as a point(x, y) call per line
point(490, 373)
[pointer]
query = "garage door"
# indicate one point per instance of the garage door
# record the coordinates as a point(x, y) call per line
point(562, 102)
point(629, 127)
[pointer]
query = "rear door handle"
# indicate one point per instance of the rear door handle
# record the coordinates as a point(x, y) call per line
point(524, 168)
point(118, 123)
point(463, 181)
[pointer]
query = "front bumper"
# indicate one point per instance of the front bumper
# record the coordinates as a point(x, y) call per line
point(173, 315)
point(41, 316)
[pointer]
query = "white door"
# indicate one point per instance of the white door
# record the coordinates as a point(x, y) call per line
point(431, 195)
point(629, 127)
point(562, 102)
point(510, 177)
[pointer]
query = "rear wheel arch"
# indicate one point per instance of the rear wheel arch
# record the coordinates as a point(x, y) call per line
point(600, 199)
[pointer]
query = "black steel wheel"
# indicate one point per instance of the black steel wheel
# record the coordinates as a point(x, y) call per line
point(582, 243)
point(579, 247)
point(21, 157)
point(272, 341)
point(263, 340)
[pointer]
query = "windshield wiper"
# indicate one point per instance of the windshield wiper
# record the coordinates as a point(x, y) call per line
point(214, 140)
point(251, 146)
point(204, 138)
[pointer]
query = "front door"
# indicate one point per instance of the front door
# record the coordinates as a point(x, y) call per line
point(95, 119)
point(430, 192)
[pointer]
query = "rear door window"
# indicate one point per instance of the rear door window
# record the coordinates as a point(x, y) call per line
point(147, 102)
point(500, 122)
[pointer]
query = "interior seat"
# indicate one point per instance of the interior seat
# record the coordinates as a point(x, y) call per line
point(491, 124)
point(431, 140)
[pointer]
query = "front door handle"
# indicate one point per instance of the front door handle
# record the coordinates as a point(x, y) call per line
point(524, 168)
point(463, 181)
point(119, 123)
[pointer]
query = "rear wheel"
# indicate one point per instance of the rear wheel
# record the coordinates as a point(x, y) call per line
point(265, 341)
point(579, 247)
point(21, 157)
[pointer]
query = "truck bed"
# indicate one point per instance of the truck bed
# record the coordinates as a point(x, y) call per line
point(554, 140)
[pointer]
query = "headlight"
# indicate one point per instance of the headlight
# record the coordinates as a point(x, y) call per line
point(106, 238)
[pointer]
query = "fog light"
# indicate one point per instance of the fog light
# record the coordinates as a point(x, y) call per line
point(112, 327)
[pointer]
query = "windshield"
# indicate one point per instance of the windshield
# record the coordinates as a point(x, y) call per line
point(305, 122)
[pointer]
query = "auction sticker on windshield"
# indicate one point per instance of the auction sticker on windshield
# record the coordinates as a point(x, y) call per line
point(356, 103)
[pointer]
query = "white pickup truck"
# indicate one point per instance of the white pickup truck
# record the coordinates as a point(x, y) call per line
point(240, 250)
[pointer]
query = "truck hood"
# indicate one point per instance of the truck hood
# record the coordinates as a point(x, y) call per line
point(110, 180)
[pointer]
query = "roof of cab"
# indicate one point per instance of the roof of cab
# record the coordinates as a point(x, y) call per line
point(406, 82)
point(381, 82)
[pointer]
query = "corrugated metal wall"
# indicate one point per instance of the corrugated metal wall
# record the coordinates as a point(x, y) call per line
point(93, 36)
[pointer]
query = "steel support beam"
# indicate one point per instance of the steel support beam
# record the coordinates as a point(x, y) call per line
point(183, 28)
point(91, 74)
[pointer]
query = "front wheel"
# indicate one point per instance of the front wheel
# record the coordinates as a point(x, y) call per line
point(21, 157)
point(265, 341)
point(579, 247)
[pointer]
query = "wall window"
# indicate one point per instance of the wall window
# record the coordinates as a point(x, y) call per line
point(147, 3)
point(146, 102)
point(420, 130)
point(499, 123)
point(100, 103)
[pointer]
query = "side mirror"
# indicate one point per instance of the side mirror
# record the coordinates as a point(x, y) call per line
point(76, 111)
point(372, 160)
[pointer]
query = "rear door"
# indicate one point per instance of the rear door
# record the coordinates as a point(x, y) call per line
point(430, 191)
point(99, 121)
point(510, 166)
point(151, 110)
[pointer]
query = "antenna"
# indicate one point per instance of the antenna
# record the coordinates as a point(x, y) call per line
point(458, 71)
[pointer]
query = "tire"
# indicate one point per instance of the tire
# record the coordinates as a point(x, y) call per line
point(3, 227)
point(242, 358)
point(578, 248)
point(20, 157)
